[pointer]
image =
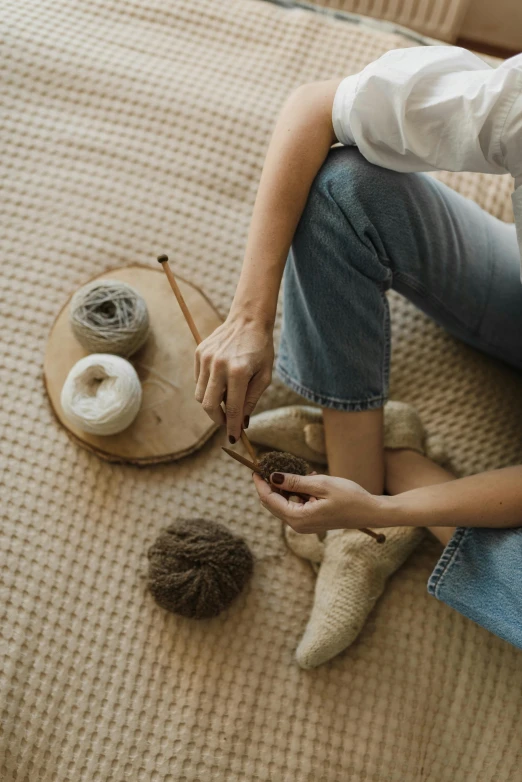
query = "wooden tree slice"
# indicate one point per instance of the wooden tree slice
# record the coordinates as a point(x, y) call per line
point(170, 423)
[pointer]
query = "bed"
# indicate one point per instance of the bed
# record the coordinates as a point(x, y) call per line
point(131, 128)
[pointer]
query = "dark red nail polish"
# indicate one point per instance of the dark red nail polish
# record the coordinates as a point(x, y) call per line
point(231, 439)
point(277, 477)
point(246, 422)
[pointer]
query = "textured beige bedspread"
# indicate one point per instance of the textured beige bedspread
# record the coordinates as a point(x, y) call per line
point(136, 127)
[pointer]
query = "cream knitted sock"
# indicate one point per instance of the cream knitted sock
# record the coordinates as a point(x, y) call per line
point(351, 578)
point(286, 429)
point(308, 547)
point(299, 429)
point(352, 569)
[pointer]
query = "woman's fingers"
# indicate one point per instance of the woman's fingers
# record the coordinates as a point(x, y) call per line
point(211, 402)
point(237, 384)
point(234, 365)
point(316, 485)
point(197, 365)
point(297, 515)
point(271, 499)
point(263, 489)
point(218, 383)
point(202, 382)
point(258, 383)
point(209, 392)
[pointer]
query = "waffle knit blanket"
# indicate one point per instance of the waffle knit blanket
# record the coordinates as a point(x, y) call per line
point(131, 128)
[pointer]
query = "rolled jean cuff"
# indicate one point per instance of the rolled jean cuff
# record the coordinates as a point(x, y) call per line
point(346, 405)
point(480, 575)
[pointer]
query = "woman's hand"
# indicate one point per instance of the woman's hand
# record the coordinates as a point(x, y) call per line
point(334, 503)
point(234, 364)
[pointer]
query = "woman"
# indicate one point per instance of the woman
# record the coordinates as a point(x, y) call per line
point(354, 221)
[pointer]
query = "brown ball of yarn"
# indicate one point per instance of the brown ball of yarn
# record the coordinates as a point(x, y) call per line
point(197, 567)
point(281, 461)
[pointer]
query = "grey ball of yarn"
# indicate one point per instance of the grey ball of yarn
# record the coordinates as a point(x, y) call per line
point(198, 567)
point(109, 316)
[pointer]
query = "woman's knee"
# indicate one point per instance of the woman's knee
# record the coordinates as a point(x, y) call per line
point(341, 223)
point(357, 187)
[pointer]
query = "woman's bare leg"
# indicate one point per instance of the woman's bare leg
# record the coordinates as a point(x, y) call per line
point(407, 470)
point(354, 444)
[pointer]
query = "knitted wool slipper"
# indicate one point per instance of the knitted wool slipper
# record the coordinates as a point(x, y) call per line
point(352, 568)
point(351, 577)
point(289, 429)
point(299, 429)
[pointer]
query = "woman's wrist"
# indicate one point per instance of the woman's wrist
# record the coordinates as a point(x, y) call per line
point(408, 509)
point(375, 511)
point(489, 499)
point(392, 511)
point(252, 313)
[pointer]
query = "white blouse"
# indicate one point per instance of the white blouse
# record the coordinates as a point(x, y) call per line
point(430, 108)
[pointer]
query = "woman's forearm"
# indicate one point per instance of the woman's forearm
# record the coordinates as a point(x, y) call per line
point(299, 145)
point(490, 499)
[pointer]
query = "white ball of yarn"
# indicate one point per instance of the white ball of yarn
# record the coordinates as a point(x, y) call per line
point(109, 316)
point(101, 394)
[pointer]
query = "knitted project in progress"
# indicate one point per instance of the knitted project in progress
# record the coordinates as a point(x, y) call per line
point(277, 461)
point(197, 568)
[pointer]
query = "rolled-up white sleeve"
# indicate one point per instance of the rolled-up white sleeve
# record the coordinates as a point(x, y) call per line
point(431, 108)
point(342, 106)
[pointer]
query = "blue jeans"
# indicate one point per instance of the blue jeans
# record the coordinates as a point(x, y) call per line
point(366, 229)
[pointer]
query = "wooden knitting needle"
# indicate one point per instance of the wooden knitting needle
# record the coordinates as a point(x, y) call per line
point(379, 537)
point(242, 460)
point(164, 261)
